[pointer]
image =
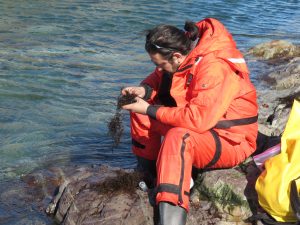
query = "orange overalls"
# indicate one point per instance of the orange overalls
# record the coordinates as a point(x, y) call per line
point(206, 111)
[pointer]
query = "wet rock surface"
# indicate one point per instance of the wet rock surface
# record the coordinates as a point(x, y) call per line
point(281, 88)
point(82, 197)
point(276, 50)
point(90, 195)
point(102, 195)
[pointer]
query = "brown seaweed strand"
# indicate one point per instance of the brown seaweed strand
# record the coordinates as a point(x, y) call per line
point(115, 126)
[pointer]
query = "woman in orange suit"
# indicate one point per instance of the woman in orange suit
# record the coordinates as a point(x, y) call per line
point(200, 100)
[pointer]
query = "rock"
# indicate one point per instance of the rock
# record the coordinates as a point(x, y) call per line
point(230, 193)
point(277, 49)
point(230, 223)
point(272, 120)
point(31, 221)
point(275, 101)
point(84, 197)
point(104, 196)
point(287, 76)
point(91, 196)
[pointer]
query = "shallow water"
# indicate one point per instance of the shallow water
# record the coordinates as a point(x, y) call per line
point(63, 63)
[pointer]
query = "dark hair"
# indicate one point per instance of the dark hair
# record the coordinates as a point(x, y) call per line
point(167, 39)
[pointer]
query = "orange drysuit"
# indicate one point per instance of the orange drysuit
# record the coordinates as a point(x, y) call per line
point(206, 111)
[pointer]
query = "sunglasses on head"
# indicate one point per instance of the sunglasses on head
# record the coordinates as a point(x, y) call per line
point(160, 47)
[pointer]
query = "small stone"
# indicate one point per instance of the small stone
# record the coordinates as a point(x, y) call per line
point(205, 205)
point(195, 196)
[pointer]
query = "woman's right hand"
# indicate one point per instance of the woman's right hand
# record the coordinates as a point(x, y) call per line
point(138, 91)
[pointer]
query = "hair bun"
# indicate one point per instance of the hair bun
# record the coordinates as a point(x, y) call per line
point(192, 31)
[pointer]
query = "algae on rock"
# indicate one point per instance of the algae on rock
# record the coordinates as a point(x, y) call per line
point(226, 196)
point(275, 49)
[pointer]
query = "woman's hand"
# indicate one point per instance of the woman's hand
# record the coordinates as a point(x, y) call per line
point(140, 106)
point(138, 91)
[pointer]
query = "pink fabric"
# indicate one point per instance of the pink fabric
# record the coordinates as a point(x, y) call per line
point(262, 157)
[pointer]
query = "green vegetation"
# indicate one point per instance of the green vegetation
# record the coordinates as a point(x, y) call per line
point(223, 195)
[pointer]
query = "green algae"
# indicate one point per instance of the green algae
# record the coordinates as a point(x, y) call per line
point(222, 195)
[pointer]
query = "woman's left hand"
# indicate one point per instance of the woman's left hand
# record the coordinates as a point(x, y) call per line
point(140, 106)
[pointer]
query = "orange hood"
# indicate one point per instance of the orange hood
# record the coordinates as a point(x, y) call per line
point(214, 38)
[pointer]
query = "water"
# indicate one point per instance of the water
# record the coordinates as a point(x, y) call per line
point(63, 63)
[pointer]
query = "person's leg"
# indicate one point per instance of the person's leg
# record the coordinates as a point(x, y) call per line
point(148, 169)
point(146, 136)
point(227, 154)
point(146, 141)
point(174, 168)
point(174, 164)
point(182, 149)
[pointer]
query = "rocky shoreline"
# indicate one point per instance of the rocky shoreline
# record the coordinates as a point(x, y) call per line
point(106, 195)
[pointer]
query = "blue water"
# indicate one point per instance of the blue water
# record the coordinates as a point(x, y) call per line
point(63, 63)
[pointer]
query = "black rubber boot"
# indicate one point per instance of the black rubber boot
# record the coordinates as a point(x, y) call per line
point(171, 214)
point(148, 168)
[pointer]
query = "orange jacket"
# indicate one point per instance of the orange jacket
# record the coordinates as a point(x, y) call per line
point(211, 88)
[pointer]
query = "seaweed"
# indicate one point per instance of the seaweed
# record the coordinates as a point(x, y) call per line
point(125, 100)
point(116, 128)
point(123, 182)
point(115, 125)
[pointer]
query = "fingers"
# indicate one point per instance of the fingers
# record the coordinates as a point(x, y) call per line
point(130, 90)
point(128, 107)
point(140, 106)
point(138, 91)
point(126, 90)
